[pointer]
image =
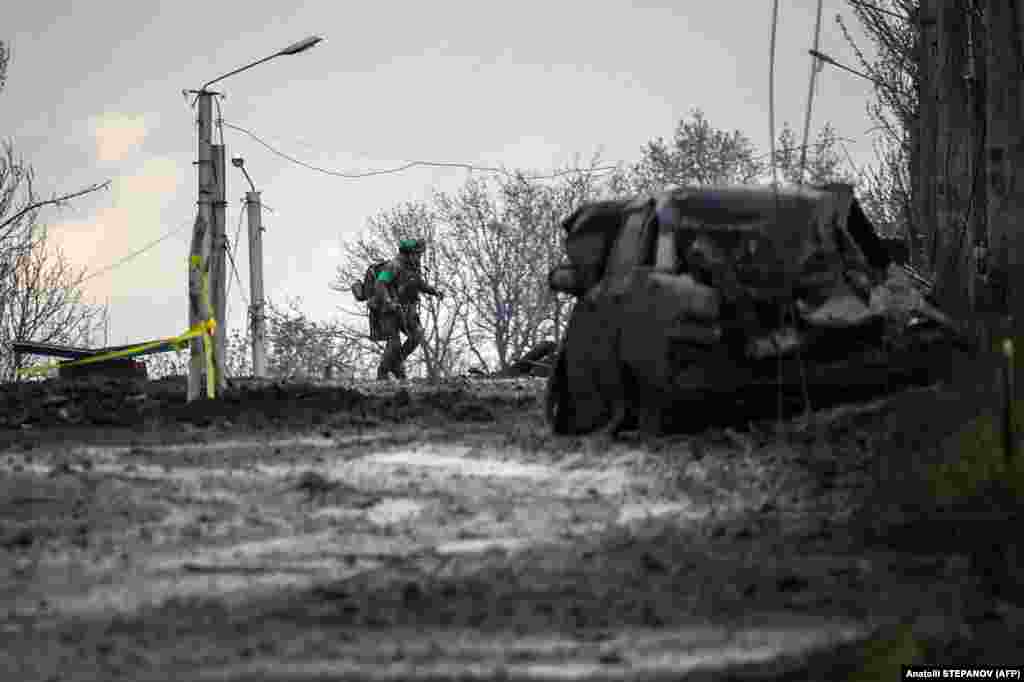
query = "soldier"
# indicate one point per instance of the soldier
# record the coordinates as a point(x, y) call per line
point(396, 296)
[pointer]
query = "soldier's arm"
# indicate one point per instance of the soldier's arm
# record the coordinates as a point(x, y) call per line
point(429, 290)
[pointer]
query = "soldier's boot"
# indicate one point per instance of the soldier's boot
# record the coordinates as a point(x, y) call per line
point(413, 339)
point(390, 362)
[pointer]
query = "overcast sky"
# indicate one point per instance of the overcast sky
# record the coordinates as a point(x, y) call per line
point(95, 92)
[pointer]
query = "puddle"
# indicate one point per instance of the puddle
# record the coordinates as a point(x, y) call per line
point(183, 474)
point(587, 483)
point(100, 455)
point(229, 444)
point(462, 465)
point(338, 513)
point(308, 545)
point(394, 511)
point(316, 550)
point(134, 595)
point(637, 511)
point(480, 545)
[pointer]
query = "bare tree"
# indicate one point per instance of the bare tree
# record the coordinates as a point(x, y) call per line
point(5, 57)
point(442, 350)
point(494, 270)
point(538, 207)
point(301, 347)
point(701, 154)
point(824, 162)
point(43, 301)
point(19, 202)
point(885, 189)
point(505, 238)
point(40, 293)
point(895, 190)
point(698, 154)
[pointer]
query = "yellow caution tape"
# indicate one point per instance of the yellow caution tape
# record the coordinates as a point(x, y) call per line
point(205, 329)
point(202, 329)
point(209, 328)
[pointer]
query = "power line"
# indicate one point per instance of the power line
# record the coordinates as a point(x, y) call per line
point(771, 90)
point(238, 278)
point(238, 232)
point(815, 69)
point(141, 251)
point(410, 164)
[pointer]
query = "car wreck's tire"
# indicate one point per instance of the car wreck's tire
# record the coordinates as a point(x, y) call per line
point(556, 401)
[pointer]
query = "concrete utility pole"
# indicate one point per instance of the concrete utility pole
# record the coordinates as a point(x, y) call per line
point(218, 266)
point(201, 239)
point(259, 332)
point(254, 215)
point(208, 239)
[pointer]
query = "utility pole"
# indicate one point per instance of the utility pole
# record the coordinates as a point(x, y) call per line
point(201, 241)
point(254, 209)
point(208, 241)
point(254, 216)
point(218, 266)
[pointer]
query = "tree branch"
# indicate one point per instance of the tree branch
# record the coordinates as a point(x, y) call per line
point(56, 201)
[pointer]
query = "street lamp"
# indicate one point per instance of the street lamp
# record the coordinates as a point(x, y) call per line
point(239, 163)
point(209, 239)
point(255, 221)
point(294, 48)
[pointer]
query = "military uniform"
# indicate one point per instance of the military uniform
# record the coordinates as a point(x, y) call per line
point(395, 302)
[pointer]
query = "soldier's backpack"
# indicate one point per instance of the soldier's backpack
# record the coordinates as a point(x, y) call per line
point(364, 290)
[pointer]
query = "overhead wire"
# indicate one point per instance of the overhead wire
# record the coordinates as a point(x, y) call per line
point(241, 289)
point(220, 117)
point(138, 252)
point(774, 166)
point(410, 164)
point(238, 232)
point(238, 278)
point(771, 94)
point(816, 67)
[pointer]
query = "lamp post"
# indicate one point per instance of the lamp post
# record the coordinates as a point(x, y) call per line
point(208, 239)
point(254, 217)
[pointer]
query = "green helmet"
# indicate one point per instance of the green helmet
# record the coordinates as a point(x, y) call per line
point(411, 246)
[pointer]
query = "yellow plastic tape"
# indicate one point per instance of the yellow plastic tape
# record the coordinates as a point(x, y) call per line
point(209, 329)
point(201, 329)
point(205, 329)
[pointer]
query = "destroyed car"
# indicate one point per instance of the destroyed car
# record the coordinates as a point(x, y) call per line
point(746, 293)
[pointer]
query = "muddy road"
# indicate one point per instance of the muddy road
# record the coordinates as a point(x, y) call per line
point(434, 533)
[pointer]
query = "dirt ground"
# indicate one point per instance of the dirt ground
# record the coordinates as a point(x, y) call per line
point(380, 532)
